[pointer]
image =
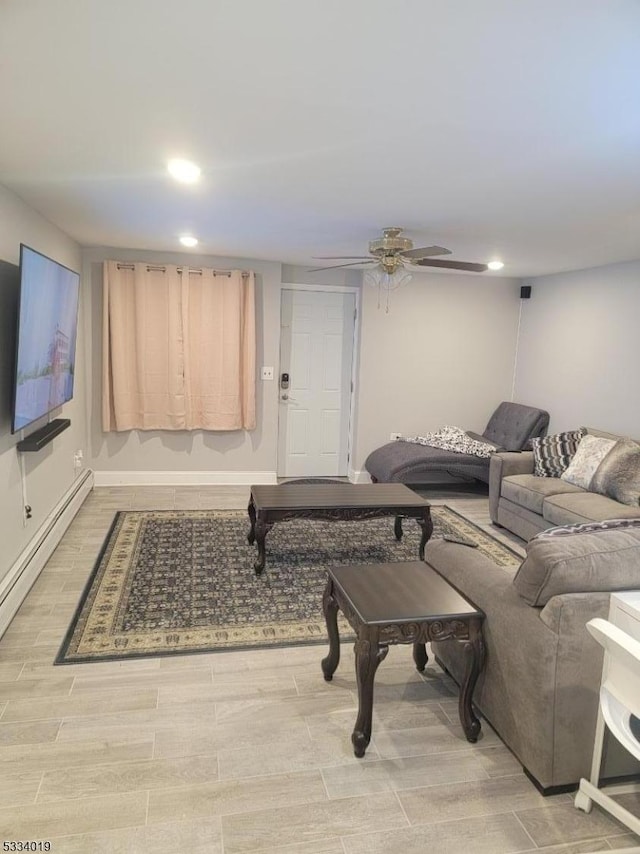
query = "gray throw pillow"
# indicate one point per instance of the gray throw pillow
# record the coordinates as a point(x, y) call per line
point(618, 475)
point(591, 452)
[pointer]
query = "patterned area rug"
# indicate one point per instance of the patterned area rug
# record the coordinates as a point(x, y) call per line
point(170, 582)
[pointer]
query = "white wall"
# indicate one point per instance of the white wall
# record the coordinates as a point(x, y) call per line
point(198, 450)
point(444, 354)
point(48, 473)
point(578, 353)
point(301, 276)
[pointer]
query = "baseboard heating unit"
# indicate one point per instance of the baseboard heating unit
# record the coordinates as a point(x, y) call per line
point(21, 576)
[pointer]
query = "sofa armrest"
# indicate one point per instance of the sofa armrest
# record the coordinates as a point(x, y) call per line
point(503, 465)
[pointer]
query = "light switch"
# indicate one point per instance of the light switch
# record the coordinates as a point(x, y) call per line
point(266, 373)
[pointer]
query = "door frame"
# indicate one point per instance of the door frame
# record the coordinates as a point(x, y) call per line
point(356, 290)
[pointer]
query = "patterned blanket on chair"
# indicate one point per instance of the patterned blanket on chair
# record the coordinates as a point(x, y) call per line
point(453, 439)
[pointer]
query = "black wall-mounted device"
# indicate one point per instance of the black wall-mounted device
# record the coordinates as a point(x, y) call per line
point(525, 292)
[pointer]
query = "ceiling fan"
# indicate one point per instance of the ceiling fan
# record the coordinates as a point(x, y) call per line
point(392, 252)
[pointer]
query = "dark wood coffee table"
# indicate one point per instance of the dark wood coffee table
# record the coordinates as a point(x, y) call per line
point(388, 603)
point(341, 502)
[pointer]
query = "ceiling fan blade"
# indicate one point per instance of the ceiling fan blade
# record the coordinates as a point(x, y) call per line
point(342, 257)
point(454, 265)
point(425, 252)
point(335, 266)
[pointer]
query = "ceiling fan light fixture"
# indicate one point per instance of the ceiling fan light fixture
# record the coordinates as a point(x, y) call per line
point(384, 281)
point(495, 265)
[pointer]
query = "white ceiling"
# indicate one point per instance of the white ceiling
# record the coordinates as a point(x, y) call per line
point(505, 128)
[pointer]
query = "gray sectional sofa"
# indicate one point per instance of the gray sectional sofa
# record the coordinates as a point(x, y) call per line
point(526, 504)
point(539, 688)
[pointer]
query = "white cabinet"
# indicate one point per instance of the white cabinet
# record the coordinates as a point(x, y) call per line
point(624, 612)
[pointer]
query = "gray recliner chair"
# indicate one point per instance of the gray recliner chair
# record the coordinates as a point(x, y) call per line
point(510, 428)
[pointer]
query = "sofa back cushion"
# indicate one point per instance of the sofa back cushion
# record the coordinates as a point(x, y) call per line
point(597, 556)
point(512, 425)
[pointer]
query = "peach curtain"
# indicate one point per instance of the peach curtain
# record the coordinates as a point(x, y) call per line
point(178, 348)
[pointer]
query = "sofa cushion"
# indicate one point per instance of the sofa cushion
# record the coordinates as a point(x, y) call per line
point(513, 424)
point(579, 562)
point(618, 475)
point(522, 522)
point(407, 461)
point(530, 491)
point(552, 454)
point(590, 453)
point(573, 508)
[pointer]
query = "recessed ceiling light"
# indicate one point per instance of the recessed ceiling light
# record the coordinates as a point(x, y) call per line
point(187, 240)
point(495, 265)
point(184, 170)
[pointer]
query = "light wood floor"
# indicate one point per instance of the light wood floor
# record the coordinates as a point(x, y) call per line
point(248, 751)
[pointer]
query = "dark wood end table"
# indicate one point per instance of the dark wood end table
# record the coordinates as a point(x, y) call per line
point(391, 603)
point(333, 501)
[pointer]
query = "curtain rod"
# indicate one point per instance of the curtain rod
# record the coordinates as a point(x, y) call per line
point(162, 269)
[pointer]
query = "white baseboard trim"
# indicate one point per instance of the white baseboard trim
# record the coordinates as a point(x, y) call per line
point(359, 476)
point(184, 478)
point(18, 581)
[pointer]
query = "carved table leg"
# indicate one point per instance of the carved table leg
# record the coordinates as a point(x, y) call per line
point(262, 529)
point(330, 609)
point(427, 529)
point(420, 656)
point(251, 510)
point(474, 655)
point(369, 654)
point(397, 527)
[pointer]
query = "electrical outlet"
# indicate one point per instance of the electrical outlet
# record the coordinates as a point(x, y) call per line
point(27, 513)
point(266, 373)
point(394, 436)
point(77, 459)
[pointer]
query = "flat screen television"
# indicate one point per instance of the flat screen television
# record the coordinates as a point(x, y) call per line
point(46, 340)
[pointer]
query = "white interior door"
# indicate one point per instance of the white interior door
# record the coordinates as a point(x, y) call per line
point(316, 351)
